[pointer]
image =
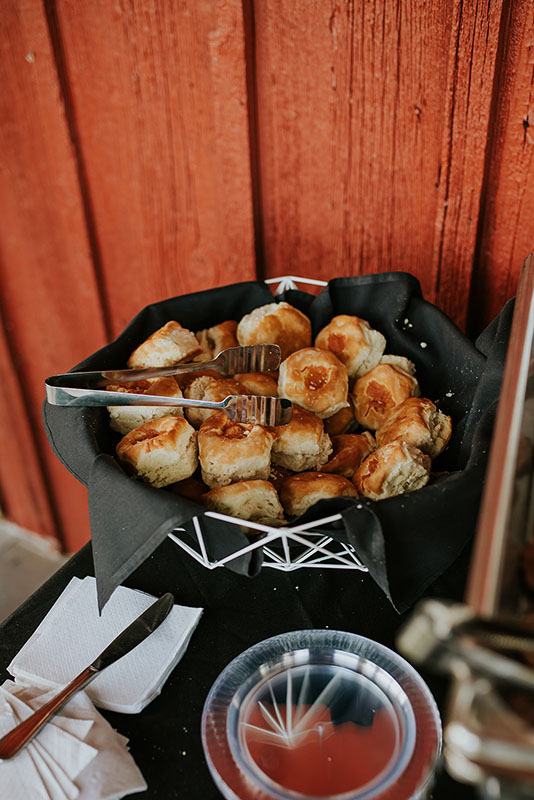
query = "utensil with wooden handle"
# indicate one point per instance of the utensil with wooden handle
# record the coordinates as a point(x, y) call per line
point(134, 634)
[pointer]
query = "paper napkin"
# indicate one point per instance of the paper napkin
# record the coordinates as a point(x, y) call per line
point(76, 756)
point(73, 634)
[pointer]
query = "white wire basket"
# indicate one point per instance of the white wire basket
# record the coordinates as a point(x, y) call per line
point(287, 548)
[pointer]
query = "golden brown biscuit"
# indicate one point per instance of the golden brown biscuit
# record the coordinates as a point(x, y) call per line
point(230, 451)
point(401, 362)
point(343, 421)
point(167, 346)
point(212, 389)
point(276, 323)
point(279, 475)
point(418, 422)
point(192, 488)
point(302, 444)
point(391, 470)
point(354, 342)
point(305, 489)
point(377, 393)
point(185, 379)
point(194, 389)
point(124, 419)
point(160, 452)
point(314, 379)
point(263, 384)
point(214, 340)
point(255, 500)
point(349, 451)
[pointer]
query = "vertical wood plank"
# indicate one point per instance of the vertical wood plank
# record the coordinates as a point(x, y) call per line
point(50, 303)
point(472, 64)
point(507, 234)
point(159, 98)
point(302, 69)
point(372, 129)
point(24, 495)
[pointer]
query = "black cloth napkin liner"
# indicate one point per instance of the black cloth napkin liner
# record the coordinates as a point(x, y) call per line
point(406, 542)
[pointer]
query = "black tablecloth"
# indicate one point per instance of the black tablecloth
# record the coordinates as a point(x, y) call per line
point(238, 612)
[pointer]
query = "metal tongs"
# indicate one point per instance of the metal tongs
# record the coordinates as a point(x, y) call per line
point(82, 388)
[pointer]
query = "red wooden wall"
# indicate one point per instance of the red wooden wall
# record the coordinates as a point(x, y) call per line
point(150, 148)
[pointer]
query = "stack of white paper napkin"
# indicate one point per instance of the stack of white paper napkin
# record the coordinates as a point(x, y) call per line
point(76, 755)
point(73, 634)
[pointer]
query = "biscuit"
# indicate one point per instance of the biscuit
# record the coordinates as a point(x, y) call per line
point(214, 340)
point(349, 451)
point(305, 489)
point(418, 422)
point(124, 419)
point(231, 451)
point(185, 379)
point(212, 389)
point(260, 383)
point(314, 379)
point(276, 323)
point(391, 470)
point(167, 346)
point(401, 362)
point(302, 444)
point(279, 475)
point(160, 452)
point(377, 393)
point(192, 488)
point(254, 500)
point(358, 346)
point(343, 421)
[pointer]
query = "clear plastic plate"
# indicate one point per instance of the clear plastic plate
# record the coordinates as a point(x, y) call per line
point(321, 714)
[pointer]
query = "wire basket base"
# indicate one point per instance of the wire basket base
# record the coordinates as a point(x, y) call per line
point(284, 549)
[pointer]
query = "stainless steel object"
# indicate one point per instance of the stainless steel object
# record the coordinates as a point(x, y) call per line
point(233, 361)
point(82, 388)
point(134, 634)
point(239, 407)
point(487, 645)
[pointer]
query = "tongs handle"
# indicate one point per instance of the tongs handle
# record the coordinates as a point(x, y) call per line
point(94, 380)
point(233, 360)
point(240, 408)
point(74, 396)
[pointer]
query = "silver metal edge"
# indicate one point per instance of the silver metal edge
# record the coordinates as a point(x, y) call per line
point(485, 574)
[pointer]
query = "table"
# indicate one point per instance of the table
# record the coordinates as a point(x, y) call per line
point(238, 612)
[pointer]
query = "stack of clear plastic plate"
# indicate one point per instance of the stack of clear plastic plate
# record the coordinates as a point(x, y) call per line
point(321, 714)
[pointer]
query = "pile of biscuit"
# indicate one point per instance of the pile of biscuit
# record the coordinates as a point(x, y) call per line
point(359, 425)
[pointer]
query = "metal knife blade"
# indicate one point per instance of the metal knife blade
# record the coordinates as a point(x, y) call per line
point(134, 634)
